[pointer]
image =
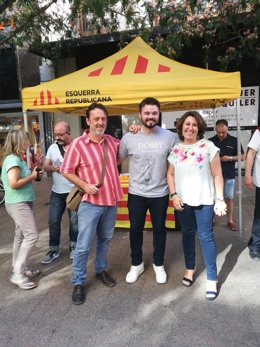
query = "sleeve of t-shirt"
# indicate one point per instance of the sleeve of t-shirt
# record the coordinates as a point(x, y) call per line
point(212, 150)
point(49, 152)
point(170, 158)
point(123, 152)
point(12, 161)
point(254, 143)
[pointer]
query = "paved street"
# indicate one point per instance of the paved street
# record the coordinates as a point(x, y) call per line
point(142, 314)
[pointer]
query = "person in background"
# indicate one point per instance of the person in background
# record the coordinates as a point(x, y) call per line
point(253, 160)
point(60, 190)
point(19, 196)
point(196, 187)
point(228, 156)
point(148, 150)
point(97, 211)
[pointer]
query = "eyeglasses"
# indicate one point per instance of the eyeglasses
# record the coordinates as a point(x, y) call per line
point(60, 135)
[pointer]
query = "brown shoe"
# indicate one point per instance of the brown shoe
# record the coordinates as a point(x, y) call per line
point(232, 226)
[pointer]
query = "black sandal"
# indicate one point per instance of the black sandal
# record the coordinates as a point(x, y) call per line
point(190, 282)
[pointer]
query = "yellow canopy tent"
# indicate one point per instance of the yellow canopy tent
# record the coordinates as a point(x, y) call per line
point(122, 80)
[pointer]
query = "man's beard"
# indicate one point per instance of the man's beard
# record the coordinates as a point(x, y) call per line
point(149, 126)
point(60, 142)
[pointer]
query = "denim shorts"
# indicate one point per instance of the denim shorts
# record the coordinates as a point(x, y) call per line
point(229, 185)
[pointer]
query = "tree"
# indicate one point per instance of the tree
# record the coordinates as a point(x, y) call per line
point(31, 22)
point(225, 32)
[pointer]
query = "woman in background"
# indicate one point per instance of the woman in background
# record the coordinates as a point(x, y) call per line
point(196, 186)
point(19, 196)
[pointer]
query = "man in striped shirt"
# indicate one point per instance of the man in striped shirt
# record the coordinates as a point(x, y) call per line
point(82, 166)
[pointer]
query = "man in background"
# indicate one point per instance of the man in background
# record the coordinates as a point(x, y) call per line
point(60, 190)
point(228, 156)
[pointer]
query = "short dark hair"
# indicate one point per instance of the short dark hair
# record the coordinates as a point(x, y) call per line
point(149, 101)
point(94, 106)
point(222, 122)
point(202, 125)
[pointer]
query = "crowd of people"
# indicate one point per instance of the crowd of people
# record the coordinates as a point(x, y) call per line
point(197, 174)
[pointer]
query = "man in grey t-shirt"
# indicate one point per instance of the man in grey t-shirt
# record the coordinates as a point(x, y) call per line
point(148, 190)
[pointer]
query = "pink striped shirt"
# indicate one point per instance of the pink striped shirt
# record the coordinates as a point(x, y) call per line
point(85, 157)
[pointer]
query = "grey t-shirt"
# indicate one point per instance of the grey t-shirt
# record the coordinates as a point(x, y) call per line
point(148, 161)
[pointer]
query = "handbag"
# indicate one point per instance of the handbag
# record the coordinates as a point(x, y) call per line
point(75, 195)
point(74, 198)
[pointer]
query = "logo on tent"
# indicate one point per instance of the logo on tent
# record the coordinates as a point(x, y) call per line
point(140, 67)
point(46, 99)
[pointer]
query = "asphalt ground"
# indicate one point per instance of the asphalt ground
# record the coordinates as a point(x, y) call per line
point(141, 314)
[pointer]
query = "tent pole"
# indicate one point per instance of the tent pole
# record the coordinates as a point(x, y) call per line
point(239, 192)
point(25, 123)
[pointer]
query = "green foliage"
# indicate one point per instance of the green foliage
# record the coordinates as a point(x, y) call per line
point(225, 32)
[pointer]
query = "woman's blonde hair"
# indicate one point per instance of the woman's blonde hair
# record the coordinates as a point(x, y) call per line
point(14, 143)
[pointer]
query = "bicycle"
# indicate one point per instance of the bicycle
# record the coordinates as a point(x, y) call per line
point(2, 192)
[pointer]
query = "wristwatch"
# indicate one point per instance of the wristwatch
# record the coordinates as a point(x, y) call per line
point(230, 158)
point(173, 194)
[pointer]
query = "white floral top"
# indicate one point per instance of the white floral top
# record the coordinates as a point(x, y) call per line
point(193, 178)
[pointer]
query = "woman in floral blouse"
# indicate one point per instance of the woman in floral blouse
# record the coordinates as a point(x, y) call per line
point(196, 186)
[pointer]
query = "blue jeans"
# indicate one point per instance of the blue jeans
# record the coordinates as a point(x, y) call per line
point(93, 220)
point(254, 242)
point(56, 210)
point(137, 207)
point(199, 218)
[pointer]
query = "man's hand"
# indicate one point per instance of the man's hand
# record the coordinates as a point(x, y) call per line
point(225, 158)
point(134, 128)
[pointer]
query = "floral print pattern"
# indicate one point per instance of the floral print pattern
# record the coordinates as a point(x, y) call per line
point(196, 155)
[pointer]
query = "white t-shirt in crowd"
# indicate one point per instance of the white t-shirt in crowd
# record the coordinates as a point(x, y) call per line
point(60, 184)
point(254, 143)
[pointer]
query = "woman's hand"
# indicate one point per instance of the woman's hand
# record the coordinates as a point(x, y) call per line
point(220, 208)
point(36, 173)
point(177, 203)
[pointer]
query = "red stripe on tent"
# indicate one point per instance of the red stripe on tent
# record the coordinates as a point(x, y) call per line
point(119, 66)
point(42, 98)
point(163, 68)
point(57, 101)
point(125, 190)
point(170, 217)
point(122, 217)
point(122, 203)
point(49, 97)
point(141, 65)
point(35, 103)
point(95, 72)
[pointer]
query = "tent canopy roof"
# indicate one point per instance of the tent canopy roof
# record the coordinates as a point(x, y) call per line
point(122, 80)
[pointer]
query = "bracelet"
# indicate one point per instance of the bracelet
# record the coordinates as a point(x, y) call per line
point(230, 158)
point(172, 195)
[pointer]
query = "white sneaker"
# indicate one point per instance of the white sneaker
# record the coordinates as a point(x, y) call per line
point(160, 274)
point(134, 273)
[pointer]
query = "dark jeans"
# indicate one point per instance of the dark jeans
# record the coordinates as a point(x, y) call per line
point(138, 207)
point(199, 218)
point(254, 242)
point(56, 210)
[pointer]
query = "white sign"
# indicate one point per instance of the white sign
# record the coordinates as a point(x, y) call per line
point(249, 105)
